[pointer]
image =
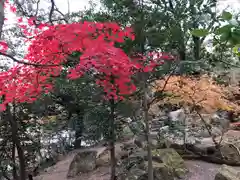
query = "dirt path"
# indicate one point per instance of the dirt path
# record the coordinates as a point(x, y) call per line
point(59, 171)
point(200, 170)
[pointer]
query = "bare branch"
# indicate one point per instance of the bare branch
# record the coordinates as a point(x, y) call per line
point(165, 84)
point(51, 11)
point(28, 63)
point(37, 8)
point(1, 16)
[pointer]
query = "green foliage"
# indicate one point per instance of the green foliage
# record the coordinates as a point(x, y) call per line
point(226, 15)
point(227, 28)
point(228, 34)
point(200, 32)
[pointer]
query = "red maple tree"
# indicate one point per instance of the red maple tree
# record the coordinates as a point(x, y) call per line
point(53, 45)
point(51, 48)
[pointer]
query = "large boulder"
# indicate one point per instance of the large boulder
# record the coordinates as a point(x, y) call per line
point(172, 159)
point(228, 152)
point(136, 168)
point(103, 159)
point(227, 173)
point(167, 165)
point(82, 162)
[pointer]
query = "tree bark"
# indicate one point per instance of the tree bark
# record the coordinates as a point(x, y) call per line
point(14, 171)
point(1, 16)
point(112, 140)
point(17, 142)
point(196, 40)
point(78, 140)
point(79, 129)
point(147, 132)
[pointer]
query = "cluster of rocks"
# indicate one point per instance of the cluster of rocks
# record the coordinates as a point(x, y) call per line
point(133, 164)
point(174, 136)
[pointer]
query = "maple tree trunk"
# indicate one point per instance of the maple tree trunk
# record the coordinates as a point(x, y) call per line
point(112, 140)
point(147, 133)
point(16, 141)
point(21, 160)
point(78, 141)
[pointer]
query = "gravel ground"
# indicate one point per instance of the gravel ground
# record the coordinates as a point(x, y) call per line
point(200, 170)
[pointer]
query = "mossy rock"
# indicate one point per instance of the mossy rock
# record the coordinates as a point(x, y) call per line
point(140, 172)
point(161, 171)
point(172, 159)
point(227, 173)
point(167, 165)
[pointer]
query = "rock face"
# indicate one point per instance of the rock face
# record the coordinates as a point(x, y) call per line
point(83, 162)
point(167, 165)
point(227, 173)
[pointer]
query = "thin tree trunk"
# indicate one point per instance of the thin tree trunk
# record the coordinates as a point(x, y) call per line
point(196, 47)
point(112, 140)
point(14, 171)
point(21, 160)
point(79, 129)
point(16, 140)
point(78, 136)
point(147, 133)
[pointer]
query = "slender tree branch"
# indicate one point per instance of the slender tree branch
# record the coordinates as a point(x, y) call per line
point(1, 16)
point(27, 63)
point(51, 11)
point(165, 84)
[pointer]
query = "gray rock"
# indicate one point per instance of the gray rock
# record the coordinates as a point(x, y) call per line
point(220, 122)
point(135, 168)
point(228, 153)
point(227, 173)
point(83, 162)
point(127, 132)
point(137, 127)
point(177, 116)
point(172, 159)
point(216, 131)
